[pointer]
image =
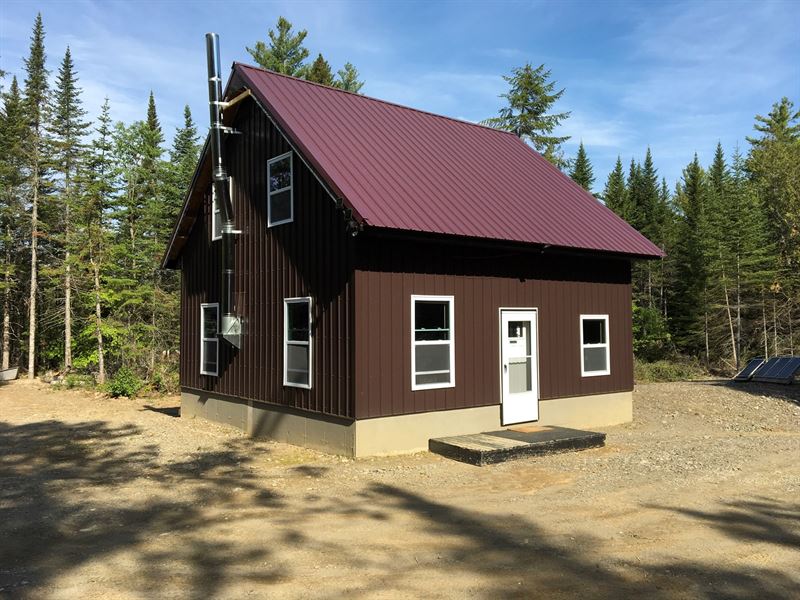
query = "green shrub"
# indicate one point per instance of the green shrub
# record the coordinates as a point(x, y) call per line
point(165, 380)
point(666, 370)
point(77, 380)
point(124, 383)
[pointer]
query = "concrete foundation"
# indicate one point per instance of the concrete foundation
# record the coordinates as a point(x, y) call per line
point(393, 435)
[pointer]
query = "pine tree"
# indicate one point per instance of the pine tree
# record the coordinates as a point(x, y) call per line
point(773, 165)
point(320, 72)
point(648, 198)
point(182, 162)
point(68, 130)
point(13, 131)
point(35, 95)
point(614, 194)
point(285, 53)
point(782, 124)
point(581, 171)
point(632, 196)
point(97, 203)
point(530, 97)
point(347, 79)
point(689, 288)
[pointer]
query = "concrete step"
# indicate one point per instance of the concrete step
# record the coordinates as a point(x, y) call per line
point(509, 444)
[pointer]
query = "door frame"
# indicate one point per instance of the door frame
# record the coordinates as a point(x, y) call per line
point(500, 311)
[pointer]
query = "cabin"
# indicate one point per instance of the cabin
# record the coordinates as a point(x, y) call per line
point(393, 276)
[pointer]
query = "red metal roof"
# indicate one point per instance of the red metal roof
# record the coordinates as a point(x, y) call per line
point(401, 168)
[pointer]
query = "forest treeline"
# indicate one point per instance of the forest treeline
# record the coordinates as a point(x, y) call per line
point(729, 285)
point(87, 210)
point(88, 206)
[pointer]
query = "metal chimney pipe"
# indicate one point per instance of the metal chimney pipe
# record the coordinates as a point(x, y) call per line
point(230, 324)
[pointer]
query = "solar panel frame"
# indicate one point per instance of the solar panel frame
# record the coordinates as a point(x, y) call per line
point(752, 366)
point(780, 369)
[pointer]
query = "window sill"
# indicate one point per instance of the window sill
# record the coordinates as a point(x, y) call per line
point(432, 386)
point(297, 385)
point(596, 374)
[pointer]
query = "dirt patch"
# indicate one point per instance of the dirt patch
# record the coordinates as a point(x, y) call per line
point(120, 498)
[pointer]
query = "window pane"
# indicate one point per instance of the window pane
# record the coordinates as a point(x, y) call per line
point(297, 326)
point(520, 372)
point(433, 378)
point(209, 321)
point(280, 206)
point(280, 174)
point(298, 377)
point(519, 337)
point(594, 331)
point(595, 359)
point(431, 320)
point(296, 364)
point(432, 358)
point(217, 224)
point(210, 356)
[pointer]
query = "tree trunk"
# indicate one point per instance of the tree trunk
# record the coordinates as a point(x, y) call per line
point(730, 320)
point(774, 327)
point(764, 321)
point(34, 266)
point(738, 313)
point(7, 306)
point(67, 315)
point(98, 324)
point(705, 326)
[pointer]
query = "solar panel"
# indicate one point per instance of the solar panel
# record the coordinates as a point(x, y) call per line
point(751, 367)
point(781, 369)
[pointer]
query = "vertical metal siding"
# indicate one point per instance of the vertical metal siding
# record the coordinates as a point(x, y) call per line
point(313, 256)
point(482, 280)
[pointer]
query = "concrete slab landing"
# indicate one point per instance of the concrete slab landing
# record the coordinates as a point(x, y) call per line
point(508, 444)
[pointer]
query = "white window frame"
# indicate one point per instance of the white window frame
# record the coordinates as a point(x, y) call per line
point(414, 343)
point(309, 343)
point(204, 339)
point(290, 187)
point(216, 212)
point(606, 345)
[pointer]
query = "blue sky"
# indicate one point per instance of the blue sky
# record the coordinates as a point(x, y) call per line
point(677, 76)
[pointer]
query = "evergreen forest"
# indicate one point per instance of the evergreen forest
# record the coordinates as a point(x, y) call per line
point(88, 206)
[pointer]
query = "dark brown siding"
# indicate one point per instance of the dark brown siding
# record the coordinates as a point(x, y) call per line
point(310, 257)
point(482, 279)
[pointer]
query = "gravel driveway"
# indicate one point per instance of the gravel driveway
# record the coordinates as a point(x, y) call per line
point(99, 498)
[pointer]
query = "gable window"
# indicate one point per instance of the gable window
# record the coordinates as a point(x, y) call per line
point(216, 211)
point(595, 357)
point(209, 342)
point(280, 204)
point(432, 348)
point(297, 342)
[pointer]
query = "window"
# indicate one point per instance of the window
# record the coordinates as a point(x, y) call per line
point(216, 211)
point(595, 358)
point(280, 207)
point(209, 342)
point(432, 349)
point(297, 342)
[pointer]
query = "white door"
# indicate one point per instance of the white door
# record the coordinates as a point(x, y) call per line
point(519, 366)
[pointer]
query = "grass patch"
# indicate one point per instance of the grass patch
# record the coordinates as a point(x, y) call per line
point(667, 370)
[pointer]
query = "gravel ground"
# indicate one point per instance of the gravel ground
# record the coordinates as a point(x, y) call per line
point(698, 497)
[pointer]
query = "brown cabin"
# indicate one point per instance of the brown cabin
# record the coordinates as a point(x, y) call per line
point(397, 276)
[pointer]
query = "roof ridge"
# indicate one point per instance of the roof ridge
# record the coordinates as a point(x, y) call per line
point(374, 99)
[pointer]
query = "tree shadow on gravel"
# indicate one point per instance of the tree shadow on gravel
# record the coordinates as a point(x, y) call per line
point(756, 520)
point(523, 560)
point(51, 523)
point(74, 496)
